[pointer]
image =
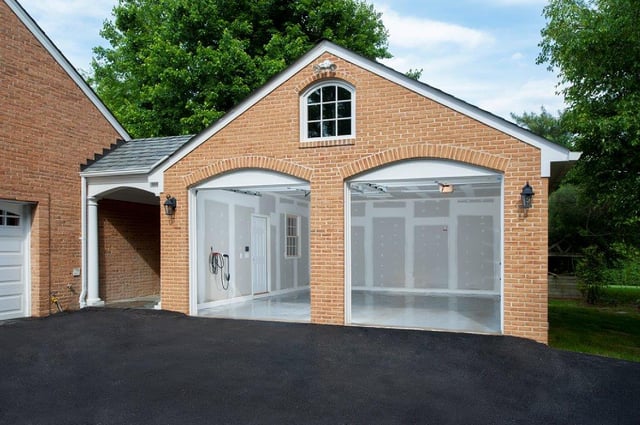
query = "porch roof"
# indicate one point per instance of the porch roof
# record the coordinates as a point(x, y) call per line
point(136, 156)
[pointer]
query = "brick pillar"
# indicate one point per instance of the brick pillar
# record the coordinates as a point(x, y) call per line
point(327, 251)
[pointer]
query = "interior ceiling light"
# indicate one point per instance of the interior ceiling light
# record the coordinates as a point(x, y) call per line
point(445, 188)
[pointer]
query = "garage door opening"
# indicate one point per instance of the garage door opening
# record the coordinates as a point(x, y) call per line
point(425, 248)
point(252, 247)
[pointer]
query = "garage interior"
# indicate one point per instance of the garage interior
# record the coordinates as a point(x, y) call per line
point(426, 254)
point(253, 251)
point(423, 252)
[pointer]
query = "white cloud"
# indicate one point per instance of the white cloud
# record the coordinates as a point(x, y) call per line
point(73, 25)
point(525, 97)
point(495, 70)
point(421, 33)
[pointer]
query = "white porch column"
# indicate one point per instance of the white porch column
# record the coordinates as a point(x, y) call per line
point(93, 297)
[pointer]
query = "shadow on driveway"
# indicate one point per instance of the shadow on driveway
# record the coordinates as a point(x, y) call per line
point(109, 366)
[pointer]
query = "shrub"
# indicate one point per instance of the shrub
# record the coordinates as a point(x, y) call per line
point(627, 270)
point(591, 271)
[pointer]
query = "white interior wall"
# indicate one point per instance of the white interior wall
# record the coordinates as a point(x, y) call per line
point(409, 244)
point(224, 223)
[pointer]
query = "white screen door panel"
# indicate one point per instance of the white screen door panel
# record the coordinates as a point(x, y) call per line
point(259, 271)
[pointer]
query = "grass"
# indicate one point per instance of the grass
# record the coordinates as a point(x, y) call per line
point(611, 329)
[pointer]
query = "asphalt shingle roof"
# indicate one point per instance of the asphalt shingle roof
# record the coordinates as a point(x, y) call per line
point(137, 154)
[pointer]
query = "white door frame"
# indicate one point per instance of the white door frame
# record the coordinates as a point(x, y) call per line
point(265, 219)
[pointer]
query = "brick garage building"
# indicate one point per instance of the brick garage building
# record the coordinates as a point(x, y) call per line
point(50, 123)
point(343, 192)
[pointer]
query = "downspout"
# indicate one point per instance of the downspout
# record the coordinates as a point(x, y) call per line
point(83, 242)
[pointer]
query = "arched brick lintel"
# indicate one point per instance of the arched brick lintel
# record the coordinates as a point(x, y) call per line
point(245, 162)
point(418, 151)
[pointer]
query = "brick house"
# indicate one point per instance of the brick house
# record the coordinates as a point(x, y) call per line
point(343, 192)
point(50, 123)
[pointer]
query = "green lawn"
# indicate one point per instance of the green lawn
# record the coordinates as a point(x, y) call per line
point(612, 330)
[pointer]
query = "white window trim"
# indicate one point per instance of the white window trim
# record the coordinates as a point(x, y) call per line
point(287, 236)
point(304, 111)
point(14, 217)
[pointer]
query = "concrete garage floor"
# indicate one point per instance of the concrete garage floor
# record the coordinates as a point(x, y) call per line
point(111, 366)
point(288, 307)
point(386, 309)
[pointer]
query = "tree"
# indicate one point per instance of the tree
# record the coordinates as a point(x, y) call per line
point(546, 125)
point(594, 45)
point(175, 66)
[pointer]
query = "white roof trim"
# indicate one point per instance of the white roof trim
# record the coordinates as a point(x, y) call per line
point(550, 152)
point(66, 65)
point(134, 172)
point(101, 185)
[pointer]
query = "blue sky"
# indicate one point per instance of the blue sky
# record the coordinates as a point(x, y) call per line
point(481, 51)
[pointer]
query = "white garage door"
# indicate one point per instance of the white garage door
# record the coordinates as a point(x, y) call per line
point(13, 260)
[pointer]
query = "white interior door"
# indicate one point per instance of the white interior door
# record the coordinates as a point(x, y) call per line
point(13, 261)
point(259, 272)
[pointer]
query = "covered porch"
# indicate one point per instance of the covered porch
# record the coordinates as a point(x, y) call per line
point(121, 223)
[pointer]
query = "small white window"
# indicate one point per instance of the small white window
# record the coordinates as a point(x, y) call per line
point(292, 236)
point(9, 219)
point(328, 112)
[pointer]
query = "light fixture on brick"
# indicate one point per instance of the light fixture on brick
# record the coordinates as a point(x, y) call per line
point(327, 65)
point(170, 205)
point(527, 197)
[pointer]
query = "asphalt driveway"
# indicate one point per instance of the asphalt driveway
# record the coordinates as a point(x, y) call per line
point(109, 366)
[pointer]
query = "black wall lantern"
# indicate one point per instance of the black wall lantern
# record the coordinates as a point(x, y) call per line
point(170, 205)
point(527, 196)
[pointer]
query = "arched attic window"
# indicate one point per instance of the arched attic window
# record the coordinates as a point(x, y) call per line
point(328, 112)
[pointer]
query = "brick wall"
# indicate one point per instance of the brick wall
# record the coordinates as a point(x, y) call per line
point(393, 124)
point(129, 252)
point(48, 128)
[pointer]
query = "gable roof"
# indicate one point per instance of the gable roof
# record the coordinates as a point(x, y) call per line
point(137, 156)
point(550, 152)
point(46, 42)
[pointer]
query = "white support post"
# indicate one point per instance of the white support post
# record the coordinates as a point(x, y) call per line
point(93, 297)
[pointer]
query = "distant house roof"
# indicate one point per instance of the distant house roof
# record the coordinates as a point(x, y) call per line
point(136, 156)
point(46, 42)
